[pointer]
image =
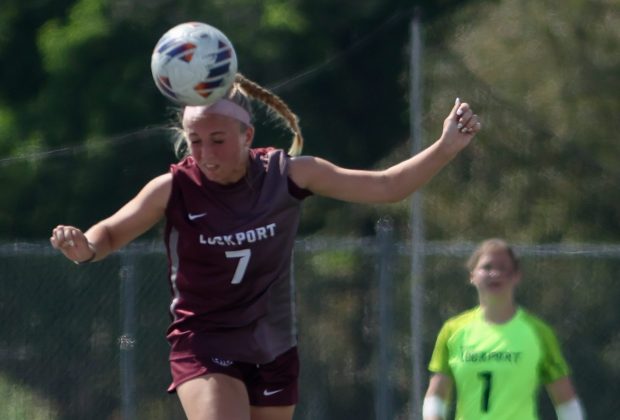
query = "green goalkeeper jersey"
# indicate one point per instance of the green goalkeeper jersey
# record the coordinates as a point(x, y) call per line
point(497, 368)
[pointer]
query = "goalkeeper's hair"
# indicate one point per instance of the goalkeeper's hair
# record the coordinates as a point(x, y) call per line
point(489, 246)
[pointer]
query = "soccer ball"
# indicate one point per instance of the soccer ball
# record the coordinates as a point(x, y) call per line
point(194, 64)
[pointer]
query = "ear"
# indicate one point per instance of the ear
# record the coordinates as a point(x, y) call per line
point(517, 277)
point(249, 136)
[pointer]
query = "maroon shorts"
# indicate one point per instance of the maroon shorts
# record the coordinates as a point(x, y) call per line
point(270, 384)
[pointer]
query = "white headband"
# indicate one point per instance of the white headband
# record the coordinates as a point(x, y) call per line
point(230, 109)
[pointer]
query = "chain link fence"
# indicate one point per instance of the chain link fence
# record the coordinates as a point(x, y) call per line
point(89, 341)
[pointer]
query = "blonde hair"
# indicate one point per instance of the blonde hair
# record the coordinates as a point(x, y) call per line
point(275, 104)
point(242, 90)
point(489, 246)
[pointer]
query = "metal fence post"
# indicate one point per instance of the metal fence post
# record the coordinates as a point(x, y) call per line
point(417, 222)
point(385, 239)
point(127, 339)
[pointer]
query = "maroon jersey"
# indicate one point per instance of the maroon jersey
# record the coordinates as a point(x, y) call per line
point(229, 251)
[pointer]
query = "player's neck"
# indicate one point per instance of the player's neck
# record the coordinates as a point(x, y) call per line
point(497, 312)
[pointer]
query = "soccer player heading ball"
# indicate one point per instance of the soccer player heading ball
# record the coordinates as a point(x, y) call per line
point(497, 354)
point(232, 213)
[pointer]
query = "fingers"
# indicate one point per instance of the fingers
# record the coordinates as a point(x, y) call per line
point(64, 237)
point(467, 121)
point(469, 125)
point(459, 127)
point(72, 242)
point(455, 109)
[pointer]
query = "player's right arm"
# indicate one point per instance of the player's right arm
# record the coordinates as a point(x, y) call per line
point(133, 219)
point(437, 396)
point(441, 384)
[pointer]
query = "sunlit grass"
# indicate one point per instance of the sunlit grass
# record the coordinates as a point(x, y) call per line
point(334, 264)
point(21, 403)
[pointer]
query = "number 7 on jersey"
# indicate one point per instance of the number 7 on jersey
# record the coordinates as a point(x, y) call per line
point(244, 258)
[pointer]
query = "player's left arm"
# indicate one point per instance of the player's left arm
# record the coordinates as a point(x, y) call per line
point(555, 374)
point(394, 183)
point(565, 399)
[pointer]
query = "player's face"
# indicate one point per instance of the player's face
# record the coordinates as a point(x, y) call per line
point(495, 273)
point(218, 144)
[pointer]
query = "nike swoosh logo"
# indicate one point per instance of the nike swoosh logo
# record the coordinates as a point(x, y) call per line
point(268, 393)
point(194, 216)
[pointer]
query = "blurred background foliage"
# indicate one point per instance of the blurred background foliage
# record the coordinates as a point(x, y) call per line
point(81, 121)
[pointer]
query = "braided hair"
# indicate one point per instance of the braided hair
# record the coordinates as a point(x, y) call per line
point(274, 103)
point(241, 93)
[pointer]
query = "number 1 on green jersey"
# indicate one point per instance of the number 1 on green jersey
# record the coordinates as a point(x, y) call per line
point(487, 380)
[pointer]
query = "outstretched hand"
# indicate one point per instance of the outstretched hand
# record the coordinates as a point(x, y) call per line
point(72, 242)
point(459, 127)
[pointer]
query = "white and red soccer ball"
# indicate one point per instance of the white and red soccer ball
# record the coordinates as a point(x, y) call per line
point(194, 64)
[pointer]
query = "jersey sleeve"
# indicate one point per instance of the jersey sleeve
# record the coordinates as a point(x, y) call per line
point(553, 366)
point(441, 356)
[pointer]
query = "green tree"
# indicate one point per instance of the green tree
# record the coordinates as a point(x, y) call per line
point(73, 124)
point(544, 79)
